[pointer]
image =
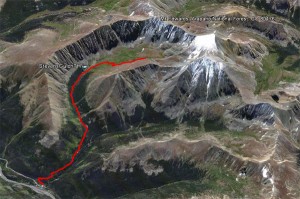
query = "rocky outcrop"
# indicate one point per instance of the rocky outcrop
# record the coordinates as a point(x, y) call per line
point(199, 152)
point(287, 8)
point(260, 112)
point(250, 50)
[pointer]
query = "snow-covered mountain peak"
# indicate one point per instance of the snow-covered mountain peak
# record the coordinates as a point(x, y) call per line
point(204, 43)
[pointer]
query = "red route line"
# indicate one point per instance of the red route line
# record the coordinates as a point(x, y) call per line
point(113, 64)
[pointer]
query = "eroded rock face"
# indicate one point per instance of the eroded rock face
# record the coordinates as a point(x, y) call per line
point(108, 37)
point(177, 92)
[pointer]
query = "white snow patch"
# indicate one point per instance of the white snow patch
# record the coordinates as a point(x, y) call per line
point(204, 43)
point(151, 13)
point(265, 171)
point(132, 14)
point(209, 75)
point(273, 114)
point(266, 174)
